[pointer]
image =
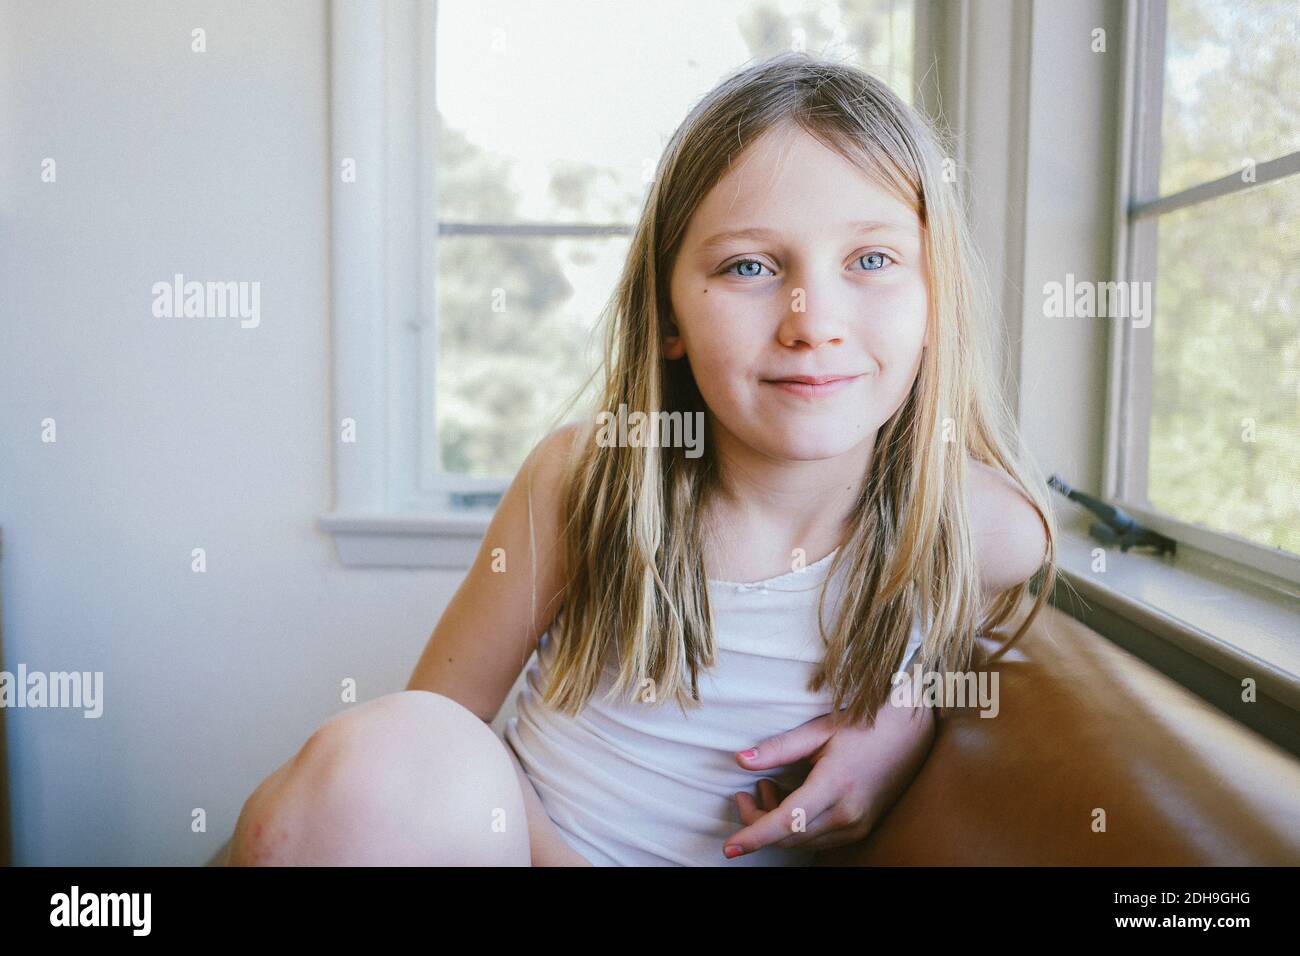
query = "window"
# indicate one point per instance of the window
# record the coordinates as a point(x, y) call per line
point(551, 120)
point(1208, 422)
point(490, 159)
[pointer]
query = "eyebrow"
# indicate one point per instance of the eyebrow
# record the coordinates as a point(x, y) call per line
point(859, 227)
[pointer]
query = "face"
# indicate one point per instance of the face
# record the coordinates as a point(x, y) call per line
point(799, 297)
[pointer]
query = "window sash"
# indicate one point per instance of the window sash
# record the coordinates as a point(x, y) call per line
point(1138, 209)
point(437, 486)
point(420, 481)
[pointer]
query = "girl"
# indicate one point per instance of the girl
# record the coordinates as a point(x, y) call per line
point(803, 279)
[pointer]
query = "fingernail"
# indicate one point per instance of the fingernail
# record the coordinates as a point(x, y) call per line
point(749, 754)
point(731, 850)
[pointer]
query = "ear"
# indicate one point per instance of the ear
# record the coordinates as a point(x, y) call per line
point(674, 345)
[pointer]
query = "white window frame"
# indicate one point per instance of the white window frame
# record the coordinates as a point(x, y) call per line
point(1138, 205)
point(393, 504)
point(381, 79)
point(1019, 81)
point(387, 509)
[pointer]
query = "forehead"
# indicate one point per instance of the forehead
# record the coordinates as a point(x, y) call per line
point(789, 177)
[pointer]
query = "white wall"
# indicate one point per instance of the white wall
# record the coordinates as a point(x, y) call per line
point(172, 434)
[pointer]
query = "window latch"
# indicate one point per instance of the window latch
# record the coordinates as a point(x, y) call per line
point(1115, 527)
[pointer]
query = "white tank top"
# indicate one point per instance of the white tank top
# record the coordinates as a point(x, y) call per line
point(644, 785)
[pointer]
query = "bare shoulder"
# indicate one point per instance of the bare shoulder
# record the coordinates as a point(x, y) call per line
point(1010, 542)
point(549, 460)
point(533, 505)
point(557, 445)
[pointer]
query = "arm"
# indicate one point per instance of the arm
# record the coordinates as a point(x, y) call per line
point(1009, 539)
point(486, 634)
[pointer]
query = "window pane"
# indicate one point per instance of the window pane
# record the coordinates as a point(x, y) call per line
point(515, 340)
point(558, 110)
point(1231, 87)
point(1225, 428)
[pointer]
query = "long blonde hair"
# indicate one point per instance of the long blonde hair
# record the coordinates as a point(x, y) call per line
point(632, 546)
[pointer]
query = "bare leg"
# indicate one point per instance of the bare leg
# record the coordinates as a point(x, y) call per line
point(408, 779)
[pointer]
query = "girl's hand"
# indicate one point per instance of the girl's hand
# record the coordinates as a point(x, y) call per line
point(857, 774)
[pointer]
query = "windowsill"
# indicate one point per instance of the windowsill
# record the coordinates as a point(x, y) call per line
point(1240, 622)
point(448, 540)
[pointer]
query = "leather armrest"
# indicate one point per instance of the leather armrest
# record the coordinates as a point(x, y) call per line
point(1085, 728)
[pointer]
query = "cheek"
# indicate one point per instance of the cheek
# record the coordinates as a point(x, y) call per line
point(897, 325)
point(720, 367)
point(723, 340)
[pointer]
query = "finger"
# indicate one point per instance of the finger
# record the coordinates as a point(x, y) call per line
point(750, 812)
point(832, 836)
point(828, 830)
point(805, 803)
point(789, 747)
point(835, 840)
point(768, 799)
point(827, 813)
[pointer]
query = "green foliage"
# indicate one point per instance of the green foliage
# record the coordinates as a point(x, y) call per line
point(1225, 428)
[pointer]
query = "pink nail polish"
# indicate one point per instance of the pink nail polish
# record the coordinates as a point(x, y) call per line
point(749, 754)
point(732, 851)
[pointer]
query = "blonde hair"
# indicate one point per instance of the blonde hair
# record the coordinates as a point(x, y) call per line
point(635, 588)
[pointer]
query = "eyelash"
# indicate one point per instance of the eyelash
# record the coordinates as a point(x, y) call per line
point(731, 265)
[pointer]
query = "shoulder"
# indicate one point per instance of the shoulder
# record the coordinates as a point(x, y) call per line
point(551, 456)
point(529, 521)
point(541, 478)
point(1009, 539)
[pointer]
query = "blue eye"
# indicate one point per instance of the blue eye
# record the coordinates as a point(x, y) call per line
point(877, 262)
point(874, 255)
point(745, 262)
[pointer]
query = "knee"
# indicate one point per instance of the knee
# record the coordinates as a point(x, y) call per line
point(387, 782)
point(405, 716)
point(412, 740)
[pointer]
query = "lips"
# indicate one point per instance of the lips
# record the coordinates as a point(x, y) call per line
point(811, 379)
point(812, 386)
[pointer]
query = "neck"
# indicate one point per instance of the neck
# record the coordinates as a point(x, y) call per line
point(771, 505)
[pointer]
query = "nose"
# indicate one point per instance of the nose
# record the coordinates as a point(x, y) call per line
point(811, 320)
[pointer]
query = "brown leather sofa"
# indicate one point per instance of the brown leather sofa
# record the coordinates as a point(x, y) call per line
point(1084, 725)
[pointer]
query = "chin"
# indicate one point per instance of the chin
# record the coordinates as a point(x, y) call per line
point(802, 441)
